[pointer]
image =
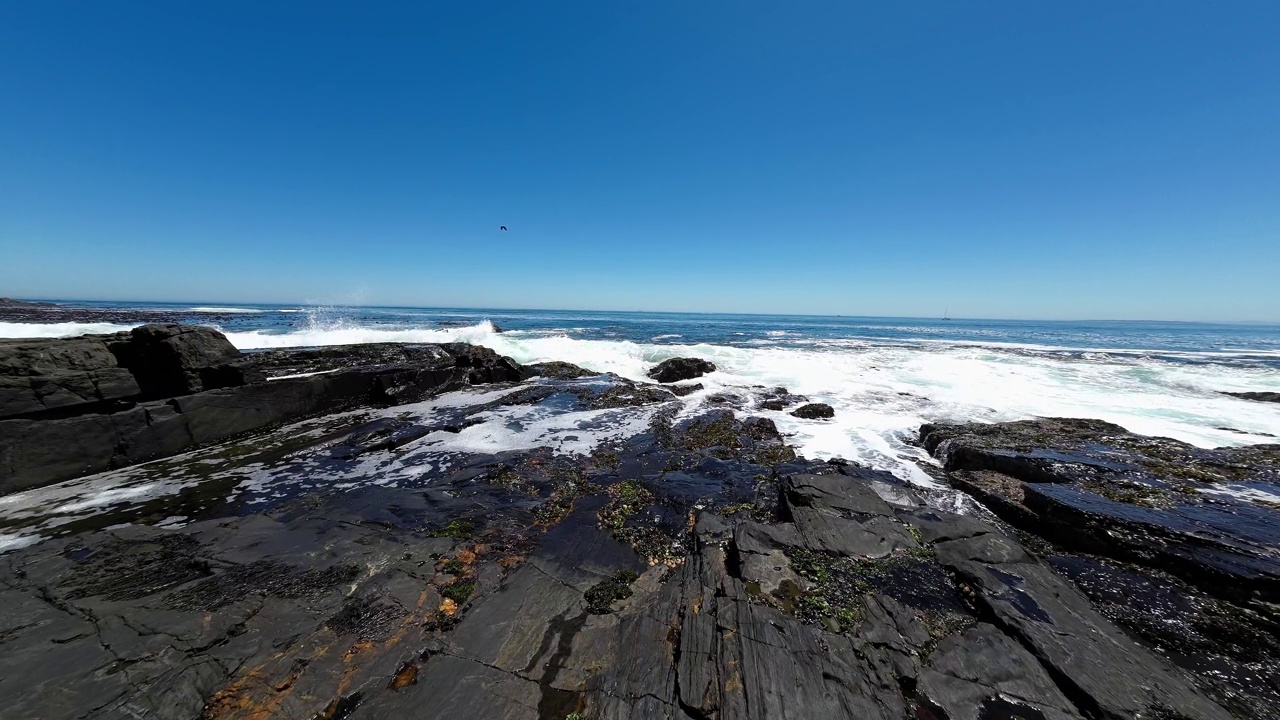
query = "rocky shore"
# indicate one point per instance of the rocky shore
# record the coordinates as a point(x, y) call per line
point(435, 531)
point(46, 312)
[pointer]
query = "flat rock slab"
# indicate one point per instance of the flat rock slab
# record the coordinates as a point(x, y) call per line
point(1155, 507)
point(608, 558)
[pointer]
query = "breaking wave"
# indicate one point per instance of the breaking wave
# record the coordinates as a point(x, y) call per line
point(882, 389)
point(883, 392)
point(227, 310)
point(53, 330)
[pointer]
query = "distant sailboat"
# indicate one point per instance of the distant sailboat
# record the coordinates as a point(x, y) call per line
point(946, 314)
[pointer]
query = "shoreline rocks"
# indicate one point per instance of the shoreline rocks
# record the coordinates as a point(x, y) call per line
point(334, 541)
point(1175, 541)
point(77, 406)
point(10, 303)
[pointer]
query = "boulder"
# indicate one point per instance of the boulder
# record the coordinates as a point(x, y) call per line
point(677, 369)
point(169, 360)
point(60, 377)
point(814, 411)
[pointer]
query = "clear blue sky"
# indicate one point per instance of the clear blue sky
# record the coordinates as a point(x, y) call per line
point(1003, 159)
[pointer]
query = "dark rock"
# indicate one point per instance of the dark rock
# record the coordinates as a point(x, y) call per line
point(1259, 396)
point(1192, 628)
point(11, 303)
point(64, 392)
point(778, 399)
point(336, 568)
point(601, 596)
point(728, 399)
point(1094, 664)
point(1154, 506)
point(18, 311)
point(169, 360)
point(31, 358)
point(559, 370)
point(677, 369)
point(60, 377)
point(71, 412)
point(976, 674)
point(683, 390)
point(814, 411)
point(1093, 486)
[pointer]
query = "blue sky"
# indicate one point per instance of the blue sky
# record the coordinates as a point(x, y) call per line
point(1001, 159)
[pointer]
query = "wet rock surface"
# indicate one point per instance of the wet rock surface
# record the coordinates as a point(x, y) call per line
point(1175, 543)
point(72, 407)
point(562, 546)
point(1258, 396)
point(677, 369)
point(814, 411)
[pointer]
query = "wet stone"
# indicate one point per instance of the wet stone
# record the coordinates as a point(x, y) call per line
point(566, 546)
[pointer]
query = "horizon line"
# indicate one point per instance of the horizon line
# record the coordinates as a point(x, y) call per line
point(224, 303)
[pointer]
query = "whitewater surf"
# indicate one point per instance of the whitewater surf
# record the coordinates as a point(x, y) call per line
point(883, 376)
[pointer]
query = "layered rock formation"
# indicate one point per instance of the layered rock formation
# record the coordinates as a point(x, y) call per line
point(577, 545)
point(1179, 544)
point(71, 407)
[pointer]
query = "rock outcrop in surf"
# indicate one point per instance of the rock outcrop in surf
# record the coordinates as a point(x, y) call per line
point(677, 369)
point(814, 411)
point(1258, 396)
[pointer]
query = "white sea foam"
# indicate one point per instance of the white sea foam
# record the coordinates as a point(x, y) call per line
point(341, 333)
point(883, 391)
point(13, 542)
point(294, 376)
point(227, 310)
point(53, 330)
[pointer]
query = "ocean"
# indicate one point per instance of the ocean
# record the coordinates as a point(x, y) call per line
point(883, 376)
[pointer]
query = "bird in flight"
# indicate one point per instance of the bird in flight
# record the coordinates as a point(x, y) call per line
point(502, 227)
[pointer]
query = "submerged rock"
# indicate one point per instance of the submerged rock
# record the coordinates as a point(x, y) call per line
point(1259, 396)
point(689, 389)
point(778, 398)
point(677, 369)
